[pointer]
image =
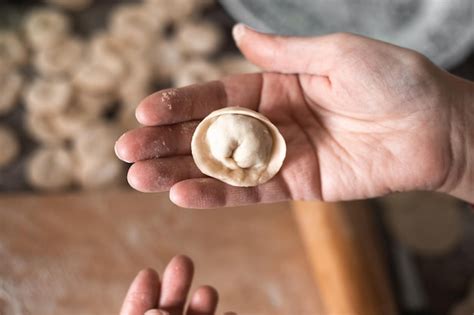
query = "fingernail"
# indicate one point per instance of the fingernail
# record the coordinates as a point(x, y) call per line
point(120, 152)
point(238, 32)
point(116, 149)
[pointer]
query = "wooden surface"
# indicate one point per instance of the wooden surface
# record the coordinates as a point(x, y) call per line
point(76, 254)
point(348, 266)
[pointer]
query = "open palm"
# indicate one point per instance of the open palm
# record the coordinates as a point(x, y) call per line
point(361, 118)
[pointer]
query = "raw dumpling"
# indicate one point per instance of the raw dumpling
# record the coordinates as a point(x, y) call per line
point(238, 146)
point(50, 169)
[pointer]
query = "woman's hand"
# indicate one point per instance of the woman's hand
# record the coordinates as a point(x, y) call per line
point(361, 119)
point(148, 295)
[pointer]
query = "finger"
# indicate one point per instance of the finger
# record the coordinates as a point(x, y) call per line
point(203, 302)
point(159, 175)
point(177, 279)
point(197, 101)
point(212, 193)
point(154, 142)
point(310, 55)
point(142, 294)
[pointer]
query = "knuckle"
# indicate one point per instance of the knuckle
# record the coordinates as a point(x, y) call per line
point(343, 37)
point(344, 43)
point(416, 59)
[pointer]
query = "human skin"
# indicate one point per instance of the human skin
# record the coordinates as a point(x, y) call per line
point(361, 119)
point(148, 295)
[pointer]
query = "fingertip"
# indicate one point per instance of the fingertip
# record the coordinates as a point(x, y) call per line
point(238, 32)
point(177, 196)
point(143, 292)
point(148, 273)
point(141, 118)
point(259, 48)
point(203, 301)
point(180, 269)
point(122, 149)
point(177, 279)
point(205, 295)
point(182, 261)
point(144, 112)
point(136, 178)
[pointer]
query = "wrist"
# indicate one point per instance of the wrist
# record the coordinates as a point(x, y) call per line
point(460, 179)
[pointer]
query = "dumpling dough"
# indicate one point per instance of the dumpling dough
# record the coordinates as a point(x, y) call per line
point(48, 96)
point(61, 60)
point(234, 146)
point(195, 71)
point(238, 146)
point(46, 27)
point(50, 169)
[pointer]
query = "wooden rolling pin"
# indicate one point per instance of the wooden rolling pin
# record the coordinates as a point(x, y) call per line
point(344, 251)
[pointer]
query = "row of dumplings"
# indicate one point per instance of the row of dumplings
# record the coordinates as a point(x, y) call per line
point(79, 94)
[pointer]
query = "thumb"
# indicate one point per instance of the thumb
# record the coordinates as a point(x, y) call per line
point(309, 55)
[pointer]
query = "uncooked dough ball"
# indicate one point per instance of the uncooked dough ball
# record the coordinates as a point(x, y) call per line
point(10, 89)
point(73, 5)
point(61, 60)
point(108, 52)
point(176, 10)
point(131, 93)
point(94, 105)
point(50, 169)
point(138, 83)
point(199, 38)
point(46, 27)
point(238, 146)
point(134, 18)
point(72, 122)
point(202, 4)
point(168, 59)
point(100, 173)
point(96, 78)
point(124, 46)
point(195, 71)
point(9, 146)
point(239, 141)
point(96, 142)
point(136, 30)
point(43, 129)
point(94, 151)
point(53, 129)
point(48, 96)
point(12, 51)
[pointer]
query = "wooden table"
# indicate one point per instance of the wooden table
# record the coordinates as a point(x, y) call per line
point(77, 253)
